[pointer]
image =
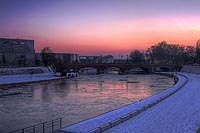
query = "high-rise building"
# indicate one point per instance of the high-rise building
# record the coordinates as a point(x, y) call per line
point(17, 52)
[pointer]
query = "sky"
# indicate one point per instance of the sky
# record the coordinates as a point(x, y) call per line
point(100, 27)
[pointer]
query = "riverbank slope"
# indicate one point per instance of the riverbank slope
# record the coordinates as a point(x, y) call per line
point(179, 113)
point(120, 116)
point(10, 77)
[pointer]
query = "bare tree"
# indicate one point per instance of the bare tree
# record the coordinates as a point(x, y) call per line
point(47, 56)
point(136, 56)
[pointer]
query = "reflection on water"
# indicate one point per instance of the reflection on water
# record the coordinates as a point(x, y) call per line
point(75, 99)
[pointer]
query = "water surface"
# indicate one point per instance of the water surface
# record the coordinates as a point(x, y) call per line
point(75, 99)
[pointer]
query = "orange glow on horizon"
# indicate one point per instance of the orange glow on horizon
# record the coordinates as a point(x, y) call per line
point(101, 27)
point(120, 36)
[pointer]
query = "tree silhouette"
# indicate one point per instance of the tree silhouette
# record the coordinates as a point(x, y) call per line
point(136, 56)
point(47, 56)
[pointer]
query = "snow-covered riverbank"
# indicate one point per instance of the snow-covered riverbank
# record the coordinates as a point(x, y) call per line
point(10, 77)
point(16, 80)
point(178, 112)
point(173, 110)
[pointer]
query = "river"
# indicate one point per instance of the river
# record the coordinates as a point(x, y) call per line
point(75, 99)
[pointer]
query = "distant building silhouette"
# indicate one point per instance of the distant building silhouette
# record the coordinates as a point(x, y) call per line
point(96, 59)
point(18, 52)
point(108, 59)
point(66, 58)
point(120, 60)
point(90, 59)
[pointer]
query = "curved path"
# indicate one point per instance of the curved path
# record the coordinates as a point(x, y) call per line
point(176, 109)
point(179, 113)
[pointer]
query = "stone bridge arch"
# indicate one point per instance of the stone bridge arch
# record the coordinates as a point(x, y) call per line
point(136, 70)
point(110, 69)
point(143, 69)
point(87, 70)
point(124, 68)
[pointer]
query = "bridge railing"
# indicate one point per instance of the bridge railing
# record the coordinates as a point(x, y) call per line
point(46, 127)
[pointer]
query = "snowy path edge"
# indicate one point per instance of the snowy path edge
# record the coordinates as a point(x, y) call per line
point(108, 120)
point(38, 78)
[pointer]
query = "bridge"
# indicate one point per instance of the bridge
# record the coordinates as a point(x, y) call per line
point(124, 67)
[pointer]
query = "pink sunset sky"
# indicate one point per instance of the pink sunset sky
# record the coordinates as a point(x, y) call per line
point(94, 27)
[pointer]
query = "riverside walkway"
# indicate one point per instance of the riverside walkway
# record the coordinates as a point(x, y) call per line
point(176, 110)
point(180, 113)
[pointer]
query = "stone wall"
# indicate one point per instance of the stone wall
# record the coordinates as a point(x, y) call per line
point(24, 70)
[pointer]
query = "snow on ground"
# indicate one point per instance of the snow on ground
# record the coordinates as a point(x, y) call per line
point(180, 113)
point(12, 79)
point(24, 70)
point(9, 76)
point(170, 115)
